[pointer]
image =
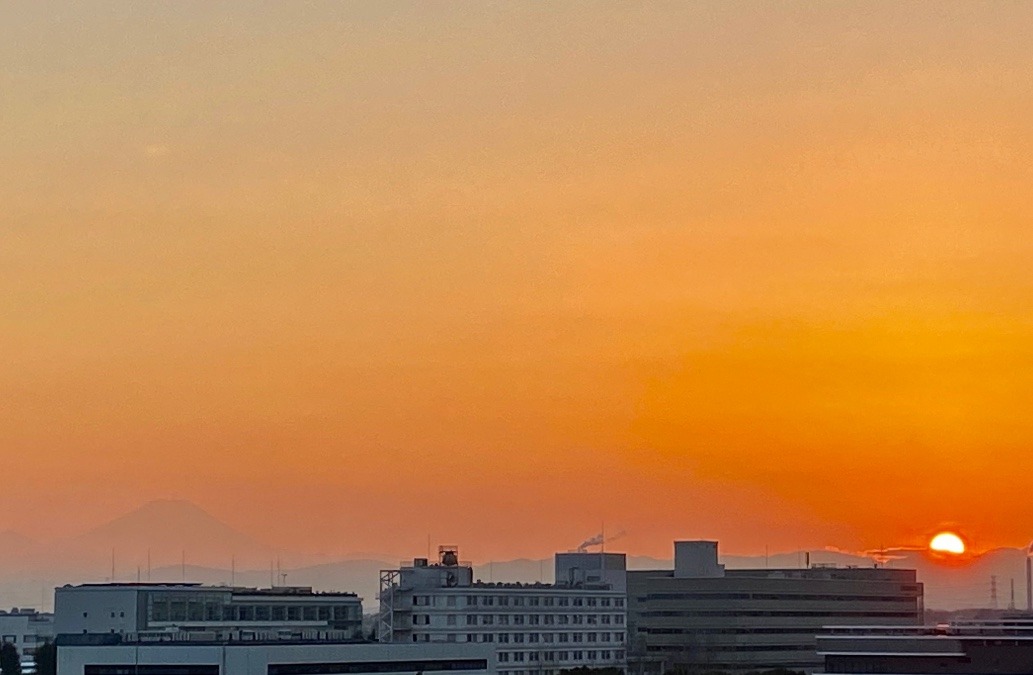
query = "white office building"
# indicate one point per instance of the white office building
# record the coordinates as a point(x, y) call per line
point(535, 628)
point(140, 610)
point(193, 657)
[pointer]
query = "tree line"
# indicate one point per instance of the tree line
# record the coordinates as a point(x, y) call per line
point(45, 658)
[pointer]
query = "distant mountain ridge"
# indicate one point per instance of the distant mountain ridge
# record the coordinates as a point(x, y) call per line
point(167, 530)
point(161, 532)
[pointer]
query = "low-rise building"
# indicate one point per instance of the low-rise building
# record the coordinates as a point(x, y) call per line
point(700, 616)
point(993, 647)
point(580, 621)
point(155, 609)
point(187, 655)
point(26, 629)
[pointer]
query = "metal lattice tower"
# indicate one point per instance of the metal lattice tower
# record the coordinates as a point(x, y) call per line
point(386, 618)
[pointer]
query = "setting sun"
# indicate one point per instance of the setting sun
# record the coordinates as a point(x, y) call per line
point(947, 542)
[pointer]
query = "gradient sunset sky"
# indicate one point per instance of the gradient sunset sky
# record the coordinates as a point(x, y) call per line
point(349, 274)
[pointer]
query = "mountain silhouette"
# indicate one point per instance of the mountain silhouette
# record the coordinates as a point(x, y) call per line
point(167, 532)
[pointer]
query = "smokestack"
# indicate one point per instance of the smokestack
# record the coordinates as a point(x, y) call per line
point(1029, 585)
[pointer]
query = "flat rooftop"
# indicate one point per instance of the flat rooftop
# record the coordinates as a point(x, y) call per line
point(275, 591)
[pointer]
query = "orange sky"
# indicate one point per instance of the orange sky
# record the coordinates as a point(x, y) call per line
point(349, 274)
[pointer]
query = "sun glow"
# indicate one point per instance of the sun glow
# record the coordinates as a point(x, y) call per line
point(947, 542)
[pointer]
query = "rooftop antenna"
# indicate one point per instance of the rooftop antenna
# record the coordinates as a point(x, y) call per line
point(271, 582)
point(233, 570)
point(1011, 603)
point(993, 591)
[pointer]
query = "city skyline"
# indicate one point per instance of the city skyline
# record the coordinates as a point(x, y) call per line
point(349, 274)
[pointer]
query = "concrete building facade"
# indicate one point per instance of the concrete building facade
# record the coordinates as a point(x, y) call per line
point(993, 647)
point(700, 616)
point(270, 658)
point(156, 609)
point(534, 628)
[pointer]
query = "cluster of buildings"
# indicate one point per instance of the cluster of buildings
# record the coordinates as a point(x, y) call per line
point(434, 615)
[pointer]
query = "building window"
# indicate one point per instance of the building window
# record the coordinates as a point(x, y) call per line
point(450, 620)
point(450, 601)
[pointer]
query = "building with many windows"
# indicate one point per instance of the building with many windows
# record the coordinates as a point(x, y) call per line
point(978, 647)
point(701, 616)
point(278, 657)
point(246, 613)
point(540, 628)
